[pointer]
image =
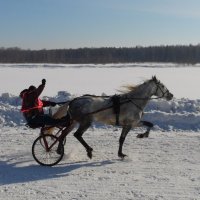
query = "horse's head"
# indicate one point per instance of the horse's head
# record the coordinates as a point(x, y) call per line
point(161, 91)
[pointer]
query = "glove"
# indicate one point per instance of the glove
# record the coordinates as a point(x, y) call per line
point(43, 81)
point(53, 104)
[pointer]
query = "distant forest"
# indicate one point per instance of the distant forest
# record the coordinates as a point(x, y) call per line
point(177, 54)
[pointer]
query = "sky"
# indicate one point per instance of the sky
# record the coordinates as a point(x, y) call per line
point(58, 24)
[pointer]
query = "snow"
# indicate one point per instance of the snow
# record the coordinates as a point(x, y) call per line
point(178, 114)
point(182, 80)
point(164, 166)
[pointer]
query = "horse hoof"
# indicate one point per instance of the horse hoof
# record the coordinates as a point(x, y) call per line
point(89, 153)
point(121, 155)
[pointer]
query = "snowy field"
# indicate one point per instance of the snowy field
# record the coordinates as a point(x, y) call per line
point(182, 80)
point(165, 166)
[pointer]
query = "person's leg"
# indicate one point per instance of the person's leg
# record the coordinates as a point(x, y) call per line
point(47, 120)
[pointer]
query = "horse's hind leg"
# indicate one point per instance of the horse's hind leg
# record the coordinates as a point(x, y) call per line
point(124, 133)
point(78, 134)
point(149, 126)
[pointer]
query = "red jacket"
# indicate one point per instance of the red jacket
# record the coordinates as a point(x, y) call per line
point(31, 104)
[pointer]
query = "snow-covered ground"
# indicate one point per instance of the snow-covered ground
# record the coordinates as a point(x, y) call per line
point(182, 80)
point(164, 166)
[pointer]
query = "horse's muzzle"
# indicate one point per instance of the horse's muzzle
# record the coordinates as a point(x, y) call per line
point(169, 96)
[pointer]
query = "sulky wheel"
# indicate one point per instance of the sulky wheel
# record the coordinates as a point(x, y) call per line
point(45, 150)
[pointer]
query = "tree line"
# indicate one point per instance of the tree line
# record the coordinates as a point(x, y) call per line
point(175, 54)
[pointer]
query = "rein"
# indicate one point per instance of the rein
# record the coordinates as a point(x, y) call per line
point(63, 102)
point(127, 100)
point(160, 97)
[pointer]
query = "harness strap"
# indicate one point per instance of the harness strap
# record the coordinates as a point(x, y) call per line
point(131, 100)
point(116, 107)
point(116, 104)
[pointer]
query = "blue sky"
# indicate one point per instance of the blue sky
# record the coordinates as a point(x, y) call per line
point(52, 24)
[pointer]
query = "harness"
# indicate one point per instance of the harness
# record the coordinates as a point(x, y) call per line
point(116, 107)
point(117, 101)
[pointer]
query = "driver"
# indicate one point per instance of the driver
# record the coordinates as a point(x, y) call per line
point(32, 108)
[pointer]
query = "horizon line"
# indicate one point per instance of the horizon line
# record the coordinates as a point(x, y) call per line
point(76, 48)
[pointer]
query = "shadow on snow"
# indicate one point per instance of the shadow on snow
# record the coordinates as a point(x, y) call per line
point(11, 173)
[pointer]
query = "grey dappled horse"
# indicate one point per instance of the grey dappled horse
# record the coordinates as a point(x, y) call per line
point(86, 109)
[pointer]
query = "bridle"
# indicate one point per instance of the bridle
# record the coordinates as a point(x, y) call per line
point(159, 88)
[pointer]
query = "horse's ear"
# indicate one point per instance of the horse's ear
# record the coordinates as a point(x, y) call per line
point(154, 78)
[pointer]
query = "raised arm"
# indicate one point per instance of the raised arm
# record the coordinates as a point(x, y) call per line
point(40, 88)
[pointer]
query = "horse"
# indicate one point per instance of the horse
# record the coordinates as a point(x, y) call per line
point(88, 108)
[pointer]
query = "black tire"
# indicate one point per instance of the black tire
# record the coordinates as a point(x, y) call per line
point(48, 157)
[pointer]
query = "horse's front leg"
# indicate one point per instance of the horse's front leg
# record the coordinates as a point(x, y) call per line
point(149, 126)
point(78, 135)
point(124, 133)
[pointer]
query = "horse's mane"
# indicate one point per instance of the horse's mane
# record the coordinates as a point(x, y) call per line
point(130, 88)
point(127, 88)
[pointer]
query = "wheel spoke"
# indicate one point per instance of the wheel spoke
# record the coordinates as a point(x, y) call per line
point(47, 157)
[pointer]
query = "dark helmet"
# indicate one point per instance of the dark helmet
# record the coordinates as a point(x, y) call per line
point(32, 87)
